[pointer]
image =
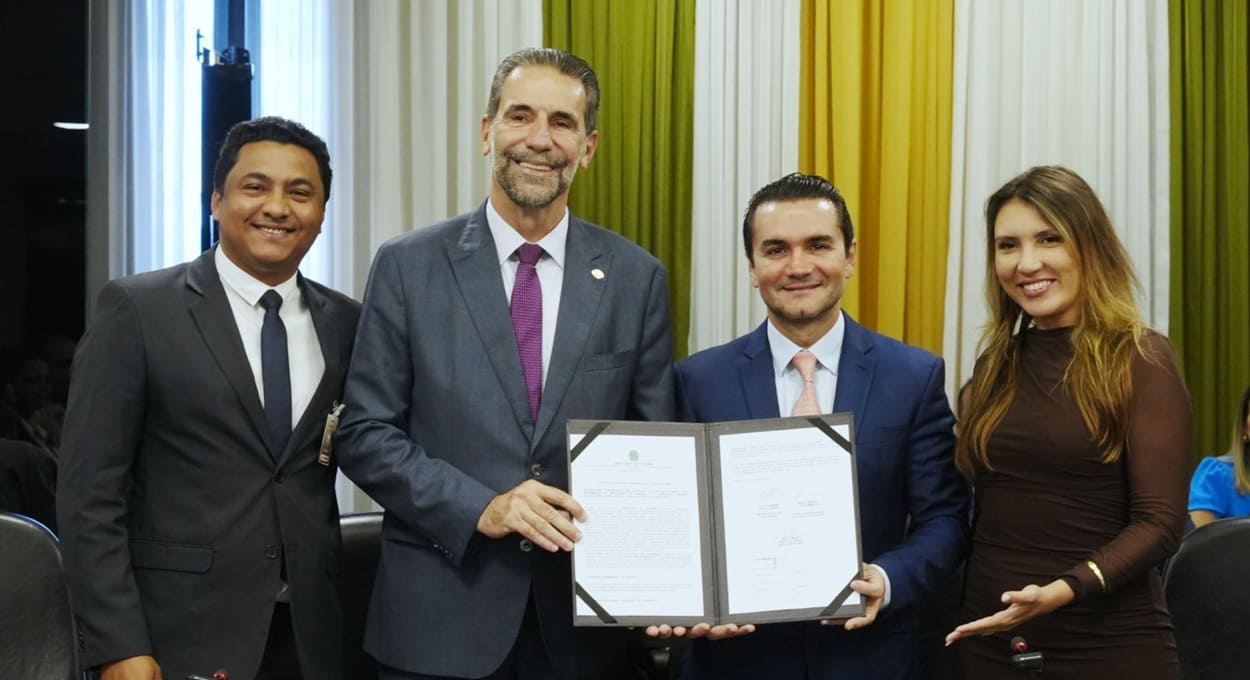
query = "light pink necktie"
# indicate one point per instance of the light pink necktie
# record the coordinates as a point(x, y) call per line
point(807, 405)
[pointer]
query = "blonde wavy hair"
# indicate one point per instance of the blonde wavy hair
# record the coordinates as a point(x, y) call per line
point(1107, 336)
point(1241, 445)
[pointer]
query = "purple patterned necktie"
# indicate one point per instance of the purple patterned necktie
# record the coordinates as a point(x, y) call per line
point(527, 323)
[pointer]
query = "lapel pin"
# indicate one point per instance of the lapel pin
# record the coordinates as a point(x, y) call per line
point(597, 274)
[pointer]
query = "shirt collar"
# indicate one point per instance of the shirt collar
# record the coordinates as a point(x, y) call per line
point(245, 285)
point(507, 239)
point(828, 349)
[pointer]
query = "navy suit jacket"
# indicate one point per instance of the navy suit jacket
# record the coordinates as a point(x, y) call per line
point(913, 502)
point(437, 423)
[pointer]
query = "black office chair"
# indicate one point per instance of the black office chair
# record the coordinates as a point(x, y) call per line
point(1207, 593)
point(362, 542)
point(38, 640)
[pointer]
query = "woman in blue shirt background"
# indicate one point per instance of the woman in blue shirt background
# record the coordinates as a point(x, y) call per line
point(1221, 484)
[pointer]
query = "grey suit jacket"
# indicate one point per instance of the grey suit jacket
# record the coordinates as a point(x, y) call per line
point(174, 507)
point(437, 424)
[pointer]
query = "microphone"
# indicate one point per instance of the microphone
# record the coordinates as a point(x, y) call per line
point(217, 675)
point(1024, 660)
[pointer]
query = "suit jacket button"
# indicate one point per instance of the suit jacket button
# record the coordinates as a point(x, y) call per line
point(526, 545)
point(536, 470)
point(279, 477)
point(271, 551)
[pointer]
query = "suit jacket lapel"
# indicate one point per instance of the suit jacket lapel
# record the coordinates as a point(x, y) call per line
point(475, 264)
point(759, 382)
point(855, 369)
point(580, 295)
point(332, 351)
point(216, 323)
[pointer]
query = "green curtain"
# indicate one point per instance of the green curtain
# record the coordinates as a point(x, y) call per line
point(1210, 220)
point(640, 183)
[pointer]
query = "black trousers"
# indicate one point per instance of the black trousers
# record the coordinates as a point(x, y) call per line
point(281, 659)
point(602, 657)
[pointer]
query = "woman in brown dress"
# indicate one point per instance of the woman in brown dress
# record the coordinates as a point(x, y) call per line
point(1077, 438)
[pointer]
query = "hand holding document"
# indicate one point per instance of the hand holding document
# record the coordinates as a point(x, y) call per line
point(700, 630)
point(872, 589)
point(541, 513)
point(713, 526)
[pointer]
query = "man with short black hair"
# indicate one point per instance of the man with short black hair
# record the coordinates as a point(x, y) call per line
point(809, 358)
point(199, 530)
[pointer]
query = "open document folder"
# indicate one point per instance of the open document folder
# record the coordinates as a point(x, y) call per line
point(754, 521)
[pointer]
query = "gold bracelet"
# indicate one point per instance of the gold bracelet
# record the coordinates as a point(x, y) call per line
point(1097, 572)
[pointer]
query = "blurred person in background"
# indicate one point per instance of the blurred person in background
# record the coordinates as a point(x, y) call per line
point(1221, 484)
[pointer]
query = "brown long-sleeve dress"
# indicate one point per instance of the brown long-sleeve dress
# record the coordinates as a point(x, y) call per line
point(1050, 504)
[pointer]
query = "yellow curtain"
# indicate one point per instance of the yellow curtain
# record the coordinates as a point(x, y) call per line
point(876, 120)
point(641, 183)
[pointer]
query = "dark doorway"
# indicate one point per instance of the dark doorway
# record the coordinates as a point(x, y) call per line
point(42, 193)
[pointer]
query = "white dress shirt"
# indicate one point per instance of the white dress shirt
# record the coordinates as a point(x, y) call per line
point(303, 350)
point(550, 269)
point(828, 350)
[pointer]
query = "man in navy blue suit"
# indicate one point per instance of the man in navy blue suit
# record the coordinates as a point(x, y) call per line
point(800, 249)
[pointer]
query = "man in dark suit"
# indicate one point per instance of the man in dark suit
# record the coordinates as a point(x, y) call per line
point(913, 504)
point(198, 529)
point(459, 390)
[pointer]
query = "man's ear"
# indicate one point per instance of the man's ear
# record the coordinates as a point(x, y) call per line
point(592, 143)
point(848, 269)
point(214, 203)
point(485, 135)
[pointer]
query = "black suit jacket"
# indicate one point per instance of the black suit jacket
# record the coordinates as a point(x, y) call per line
point(176, 511)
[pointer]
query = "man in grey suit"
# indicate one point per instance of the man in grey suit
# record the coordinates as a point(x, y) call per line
point(479, 337)
point(199, 530)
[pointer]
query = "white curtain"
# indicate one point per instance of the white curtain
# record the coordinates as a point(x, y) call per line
point(746, 135)
point(400, 102)
point(418, 92)
point(160, 160)
point(1071, 82)
point(294, 76)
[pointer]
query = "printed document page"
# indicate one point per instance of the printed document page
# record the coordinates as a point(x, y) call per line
point(789, 519)
point(640, 552)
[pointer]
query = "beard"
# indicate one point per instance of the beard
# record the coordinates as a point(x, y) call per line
point(525, 190)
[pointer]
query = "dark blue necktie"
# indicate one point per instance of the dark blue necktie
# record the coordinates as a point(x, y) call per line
point(275, 371)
